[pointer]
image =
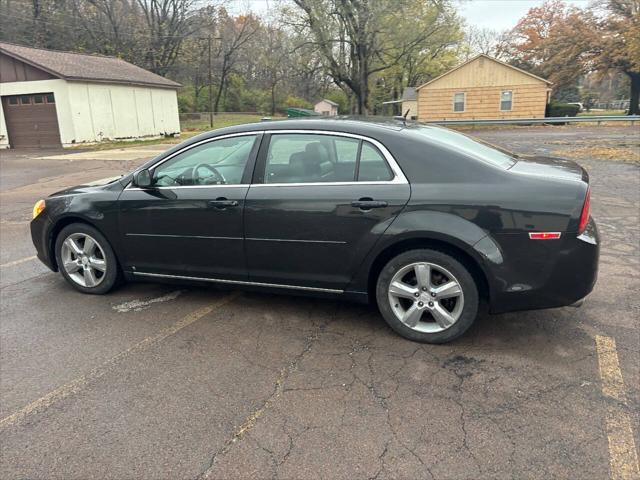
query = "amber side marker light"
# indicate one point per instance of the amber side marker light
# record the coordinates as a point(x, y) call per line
point(38, 208)
point(545, 235)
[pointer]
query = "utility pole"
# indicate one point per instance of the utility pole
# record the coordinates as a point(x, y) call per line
point(210, 85)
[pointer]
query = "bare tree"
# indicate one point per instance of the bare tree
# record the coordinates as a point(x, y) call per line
point(484, 40)
point(359, 38)
point(168, 23)
point(234, 33)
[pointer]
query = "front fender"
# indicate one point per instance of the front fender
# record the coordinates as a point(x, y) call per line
point(412, 227)
point(97, 208)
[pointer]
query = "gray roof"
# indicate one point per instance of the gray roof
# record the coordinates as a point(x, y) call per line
point(409, 94)
point(329, 102)
point(90, 68)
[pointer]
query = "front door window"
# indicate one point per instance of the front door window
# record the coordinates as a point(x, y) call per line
point(219, 162)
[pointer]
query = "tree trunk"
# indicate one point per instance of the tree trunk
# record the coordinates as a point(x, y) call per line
point(273, 99)
point(634, 108)
point(196, 96)
point(362, 95)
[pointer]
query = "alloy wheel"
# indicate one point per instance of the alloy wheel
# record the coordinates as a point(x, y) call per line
point(426, 297)
point(83, 259)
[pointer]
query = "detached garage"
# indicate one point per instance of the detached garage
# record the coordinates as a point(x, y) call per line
point(52, 98)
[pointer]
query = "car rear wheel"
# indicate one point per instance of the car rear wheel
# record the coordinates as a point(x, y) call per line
point(85, 259)
point(427, 296)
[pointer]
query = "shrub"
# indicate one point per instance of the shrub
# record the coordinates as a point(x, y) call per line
point(561, 110)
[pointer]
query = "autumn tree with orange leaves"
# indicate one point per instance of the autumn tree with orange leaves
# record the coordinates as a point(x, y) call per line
point(561, 43)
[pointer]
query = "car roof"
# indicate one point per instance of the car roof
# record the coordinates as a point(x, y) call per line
point(357, 125)
point(378, 128)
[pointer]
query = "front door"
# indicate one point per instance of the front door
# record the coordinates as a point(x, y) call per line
point(319, 204)
point(190, 222)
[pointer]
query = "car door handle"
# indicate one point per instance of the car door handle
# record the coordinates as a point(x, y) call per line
point(223, 203)
point(368, 204)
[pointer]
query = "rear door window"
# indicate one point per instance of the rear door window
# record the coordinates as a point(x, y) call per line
point(373, 167)
point(320, 158)
point(311, 158)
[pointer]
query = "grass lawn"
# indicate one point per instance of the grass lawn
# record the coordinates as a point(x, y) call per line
point(602, 113)
point(220, 121)
point(188, 129)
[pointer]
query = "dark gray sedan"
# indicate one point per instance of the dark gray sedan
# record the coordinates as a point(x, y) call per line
point(430, 223)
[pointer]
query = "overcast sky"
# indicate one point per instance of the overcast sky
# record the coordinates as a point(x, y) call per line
point(494, 14)
point(501, 14)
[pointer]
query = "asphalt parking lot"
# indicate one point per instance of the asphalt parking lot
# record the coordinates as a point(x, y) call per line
point(161, 381)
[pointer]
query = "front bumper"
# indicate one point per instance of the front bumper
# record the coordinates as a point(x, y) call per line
point(544, 274)
point(41, 227)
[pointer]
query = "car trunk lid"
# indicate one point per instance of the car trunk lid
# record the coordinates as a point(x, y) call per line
point(550, 167)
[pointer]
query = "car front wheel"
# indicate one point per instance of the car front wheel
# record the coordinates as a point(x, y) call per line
point(85, 259)
point(427, 296)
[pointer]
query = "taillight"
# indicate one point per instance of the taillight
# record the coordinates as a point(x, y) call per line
point(584, 216)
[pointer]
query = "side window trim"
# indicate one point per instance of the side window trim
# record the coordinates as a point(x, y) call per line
point(358, 155)
point(249, 167)
point(261, 163)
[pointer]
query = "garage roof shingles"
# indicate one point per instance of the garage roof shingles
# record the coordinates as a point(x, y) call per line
point(78, 66)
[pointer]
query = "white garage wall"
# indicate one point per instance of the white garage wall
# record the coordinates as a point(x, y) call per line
point(61, 94)
point(112, 112)
point(92, 112)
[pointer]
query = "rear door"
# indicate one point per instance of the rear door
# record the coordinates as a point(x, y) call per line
point(190, 223)
point(318, 204)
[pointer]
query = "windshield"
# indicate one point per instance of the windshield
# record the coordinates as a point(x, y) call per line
point(471, 146)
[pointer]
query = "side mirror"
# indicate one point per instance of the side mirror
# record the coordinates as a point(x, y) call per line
point(142, 179)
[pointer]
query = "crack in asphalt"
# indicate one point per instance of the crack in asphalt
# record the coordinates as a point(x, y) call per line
point(278, 389)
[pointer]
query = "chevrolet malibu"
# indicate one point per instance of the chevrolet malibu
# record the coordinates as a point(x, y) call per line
point(431, 224)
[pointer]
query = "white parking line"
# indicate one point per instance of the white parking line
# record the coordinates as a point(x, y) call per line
point(79, 383)
point(18, 262)
point(138, 305)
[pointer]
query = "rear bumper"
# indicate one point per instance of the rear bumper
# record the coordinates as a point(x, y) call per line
point(41, 238)
point(558, 274)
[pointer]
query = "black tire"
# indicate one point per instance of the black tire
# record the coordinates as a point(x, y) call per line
point(468, 285)
point(109, 278)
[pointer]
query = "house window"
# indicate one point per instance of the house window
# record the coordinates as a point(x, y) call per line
point(25, 100)
point(38, 99)
point(506, 100)
point(13, 100)
point(458, 102)
point(50, 98)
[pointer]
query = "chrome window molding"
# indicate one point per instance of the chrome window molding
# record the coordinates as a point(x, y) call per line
point(328, 184)
point(239, 185)
point(398, 175)
point(238, 282)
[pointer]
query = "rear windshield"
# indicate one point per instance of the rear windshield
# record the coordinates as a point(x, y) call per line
point(470, 146)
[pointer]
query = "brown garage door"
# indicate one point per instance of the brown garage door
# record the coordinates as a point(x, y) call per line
point(31, 120)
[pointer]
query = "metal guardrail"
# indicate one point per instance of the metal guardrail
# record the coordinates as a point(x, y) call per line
point(528, 121)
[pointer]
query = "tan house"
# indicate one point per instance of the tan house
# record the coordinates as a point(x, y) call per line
point(408, 103)
point(326, 107)
point(483, 88)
